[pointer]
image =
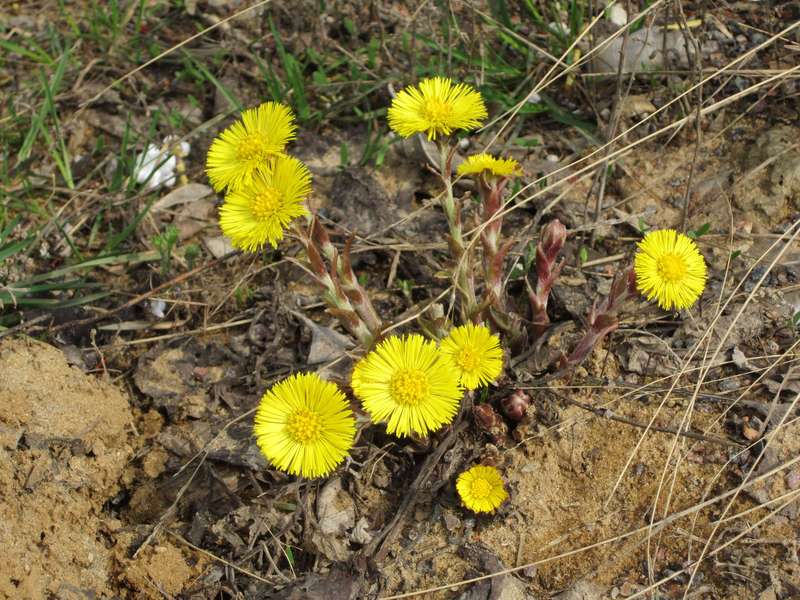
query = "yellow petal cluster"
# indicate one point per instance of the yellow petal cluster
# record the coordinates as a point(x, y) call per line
point(436, 107)
point(409, 383)
point(477, 164)
point(246, 146)
point(481, 489)
point(266, 188)
point(670, 269)
point(257, 213)
point(304, 426)
point(476, 352)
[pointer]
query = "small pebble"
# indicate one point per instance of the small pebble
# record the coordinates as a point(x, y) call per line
point(551, 158)
point(451, 522)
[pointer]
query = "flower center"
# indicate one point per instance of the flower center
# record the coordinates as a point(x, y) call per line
point(481, 488)
point(437, 112)
point(266, 203)
point(304, 426)
point(251, 148)
point(468, 360)
point(409, 387)
point(671, 267)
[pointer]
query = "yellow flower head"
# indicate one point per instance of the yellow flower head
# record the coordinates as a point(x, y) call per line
point(409, 383)
point(483, 162)
point(258, 213)
point(670, 268)
point(304, 425)
point(481, 489)
point(436, 107)
point(247, 145)
point(476, 353)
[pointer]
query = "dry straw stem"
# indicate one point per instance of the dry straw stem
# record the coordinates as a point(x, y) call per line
point(201, 455)
point(587, 169)
point(546, 80)
point(169, 51)
point(219, 559)
point(674, 125)
point(764, 372)
point(638, 392)
point(643, 529)
point(795, 230)
point(694, 565)
point(704, 553)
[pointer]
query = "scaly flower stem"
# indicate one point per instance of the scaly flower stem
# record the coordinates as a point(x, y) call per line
point(491, 191)
point(342, 267)
point(339, 304)
point(602, 319)
point(553, 237)
point(462, 269)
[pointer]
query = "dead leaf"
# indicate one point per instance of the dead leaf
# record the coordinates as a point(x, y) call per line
point(190, 192)
point(326, 343)
point(361, 532)
point(740, 360)
point(219, 246)
point(633, 106)
point(194, 217)
point(338, 584)
point(336, 514)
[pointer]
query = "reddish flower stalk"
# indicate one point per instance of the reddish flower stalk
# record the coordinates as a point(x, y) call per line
point(345, 297)
point(355, 291)
point(553, 237)
point(602, 318)
point(493, 253)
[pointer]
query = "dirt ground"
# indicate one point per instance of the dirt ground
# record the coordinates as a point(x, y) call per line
point(91, 470)
point(665, 466)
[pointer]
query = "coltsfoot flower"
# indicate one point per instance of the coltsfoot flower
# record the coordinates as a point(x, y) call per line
point(476, 352)
point(477, 164)
point(481, 489)
point(257, 214)
point(248, 144)
point(436, 107)
point(670, 269)
point(409, 383)
point(304, 425)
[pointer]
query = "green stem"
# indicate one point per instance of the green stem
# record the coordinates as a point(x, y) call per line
point(462, 269)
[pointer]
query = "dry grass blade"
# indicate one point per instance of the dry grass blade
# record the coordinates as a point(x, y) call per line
point(169, 51)
point(644, 529)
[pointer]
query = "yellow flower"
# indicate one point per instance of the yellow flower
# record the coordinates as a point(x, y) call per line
point(499, 167)
point(409, 383)
point(304, 425)
point(481, 489)
point(476, 352)
point(436, 107)
point(248, 144)
point(258, 213)
point(670, 268)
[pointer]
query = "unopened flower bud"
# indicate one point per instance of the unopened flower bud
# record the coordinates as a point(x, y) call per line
point(554, 235)
point(516, 405)
point(487, 419)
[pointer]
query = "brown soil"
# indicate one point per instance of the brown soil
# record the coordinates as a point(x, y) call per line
point(66, 440)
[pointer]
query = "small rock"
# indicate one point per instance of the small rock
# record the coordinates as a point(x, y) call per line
point(793, 479)
point(451, 522)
